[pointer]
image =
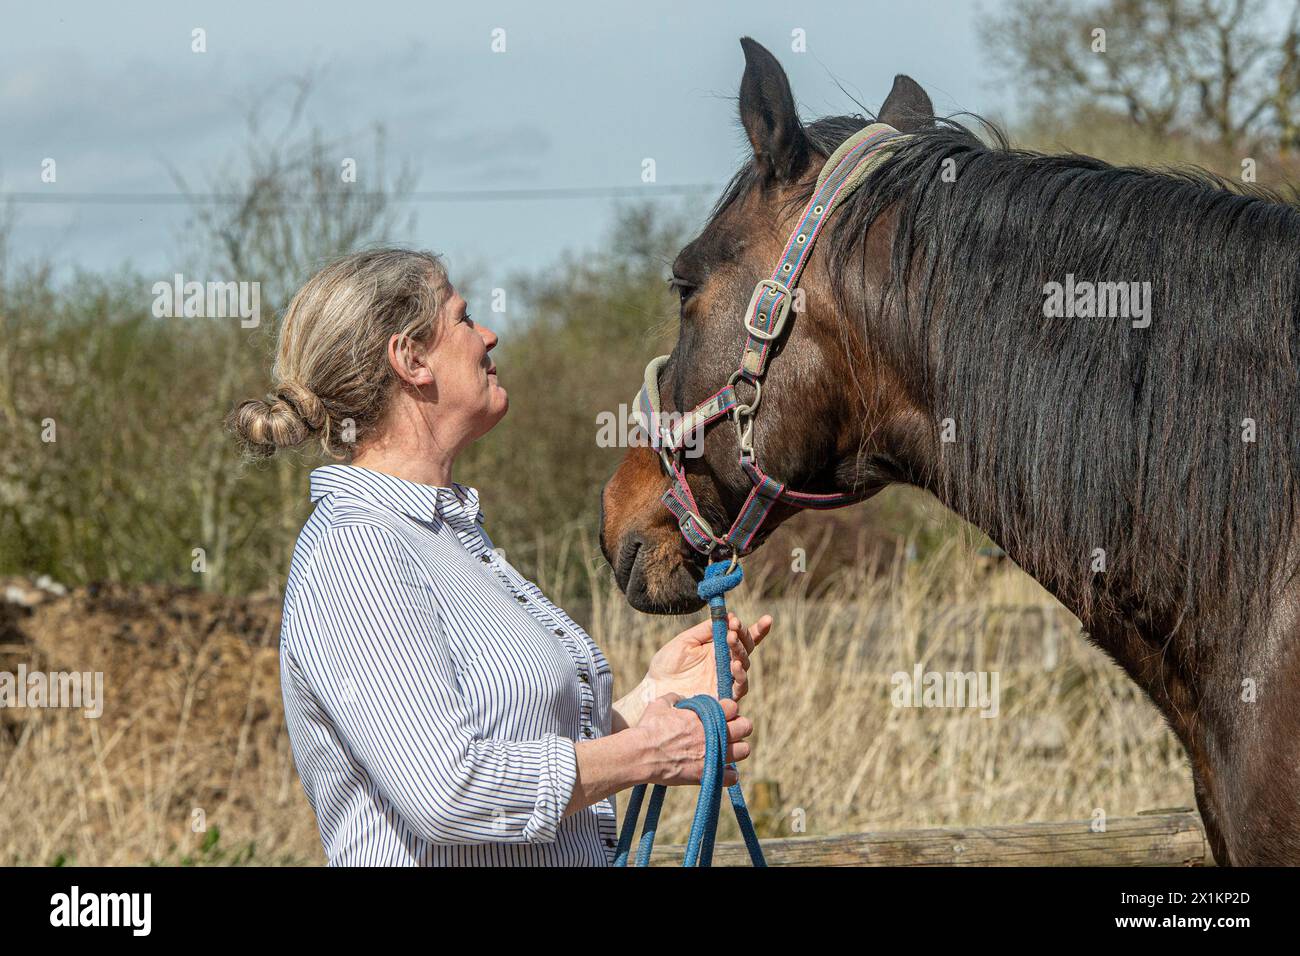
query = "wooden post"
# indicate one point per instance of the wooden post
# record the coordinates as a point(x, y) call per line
point(1168, 839)
point(766, 809)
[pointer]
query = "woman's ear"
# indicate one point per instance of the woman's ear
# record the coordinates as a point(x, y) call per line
point(409, 359)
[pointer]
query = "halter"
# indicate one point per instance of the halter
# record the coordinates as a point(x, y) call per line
point(765, 320)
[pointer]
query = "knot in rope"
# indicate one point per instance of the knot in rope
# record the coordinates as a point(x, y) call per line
point(717, 581)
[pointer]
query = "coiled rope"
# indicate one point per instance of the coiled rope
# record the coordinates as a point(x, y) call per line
point(719, 578)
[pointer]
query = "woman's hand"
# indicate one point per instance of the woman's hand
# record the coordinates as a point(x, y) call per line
point(674, 741)
point(685, 664)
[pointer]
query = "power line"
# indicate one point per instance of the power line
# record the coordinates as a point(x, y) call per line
point(647, 191)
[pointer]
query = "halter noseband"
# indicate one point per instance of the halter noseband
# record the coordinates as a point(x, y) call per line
point(765, 320)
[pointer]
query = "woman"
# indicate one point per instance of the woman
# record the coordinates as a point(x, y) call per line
point(441, 710)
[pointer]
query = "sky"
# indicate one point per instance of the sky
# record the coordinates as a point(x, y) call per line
point(583, 93)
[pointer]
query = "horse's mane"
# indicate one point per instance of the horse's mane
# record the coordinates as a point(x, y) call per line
point(1080, 433)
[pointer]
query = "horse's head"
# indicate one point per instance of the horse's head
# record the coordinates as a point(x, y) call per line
point(829, 409)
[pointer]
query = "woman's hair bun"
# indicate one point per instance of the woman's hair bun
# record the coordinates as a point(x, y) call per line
point(305, 403)
point(333, 342)
point(284, 419)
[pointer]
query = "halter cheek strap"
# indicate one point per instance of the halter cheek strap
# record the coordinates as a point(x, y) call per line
point(765, 321)
point(773, 298)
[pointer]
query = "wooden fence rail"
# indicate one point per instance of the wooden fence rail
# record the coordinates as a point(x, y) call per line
point(1158, 838)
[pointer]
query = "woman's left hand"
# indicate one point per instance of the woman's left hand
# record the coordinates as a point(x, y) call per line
point(685, 664)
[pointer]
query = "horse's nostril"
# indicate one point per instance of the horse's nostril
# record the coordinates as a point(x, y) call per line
point(631, 549)
point(627, 560)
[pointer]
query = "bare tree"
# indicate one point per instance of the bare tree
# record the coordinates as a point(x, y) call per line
point(274, 216)
point(1225, 71)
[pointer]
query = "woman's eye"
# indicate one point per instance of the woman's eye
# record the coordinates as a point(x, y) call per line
point(468, 319)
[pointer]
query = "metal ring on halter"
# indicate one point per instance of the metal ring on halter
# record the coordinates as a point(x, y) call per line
point(758, 394)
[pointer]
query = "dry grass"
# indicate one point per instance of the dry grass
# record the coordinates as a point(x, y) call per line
point(1072, 734)
point(190, 761)
point(193, 722)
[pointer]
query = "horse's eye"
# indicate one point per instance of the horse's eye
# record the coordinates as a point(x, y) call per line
point(684, 289)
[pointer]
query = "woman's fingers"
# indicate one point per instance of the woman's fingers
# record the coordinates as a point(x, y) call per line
point(737, 627)
point(739, 680)
point(738, 728)
point(750, 637)
point(738, 652)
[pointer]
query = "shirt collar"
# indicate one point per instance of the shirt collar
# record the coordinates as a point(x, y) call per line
point(455, 504)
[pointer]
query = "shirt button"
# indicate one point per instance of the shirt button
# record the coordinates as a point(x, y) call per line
point(586, 731)
point(521, 598)
point(583, 676)
point(609, 842)
point(559, 632)
point(485, 557)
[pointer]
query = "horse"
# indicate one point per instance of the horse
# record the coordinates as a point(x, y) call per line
point(1142, 468)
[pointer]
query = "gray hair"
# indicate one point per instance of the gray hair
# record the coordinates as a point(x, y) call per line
point(331, 366)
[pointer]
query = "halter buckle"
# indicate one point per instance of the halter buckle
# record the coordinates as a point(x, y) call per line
point(776, 291)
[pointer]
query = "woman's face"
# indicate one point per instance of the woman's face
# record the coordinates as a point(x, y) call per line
point(465, 377)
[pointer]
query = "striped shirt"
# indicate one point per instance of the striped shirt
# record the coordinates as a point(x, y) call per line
point(433, 695)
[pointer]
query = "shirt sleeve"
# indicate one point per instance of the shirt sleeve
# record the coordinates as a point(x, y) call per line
point(379, 662)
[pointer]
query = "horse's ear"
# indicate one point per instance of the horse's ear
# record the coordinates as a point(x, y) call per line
point(769, 116)
point(907, 108)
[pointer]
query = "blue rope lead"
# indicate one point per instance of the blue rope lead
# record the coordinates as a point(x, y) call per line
point(718, 580)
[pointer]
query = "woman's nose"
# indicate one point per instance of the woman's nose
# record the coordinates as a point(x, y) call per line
point(489, 337)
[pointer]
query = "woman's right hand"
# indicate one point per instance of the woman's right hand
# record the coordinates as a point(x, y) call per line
point(676, 741)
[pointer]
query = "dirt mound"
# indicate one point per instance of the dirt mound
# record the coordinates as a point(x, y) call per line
point(156, 646)
point(191, 733)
